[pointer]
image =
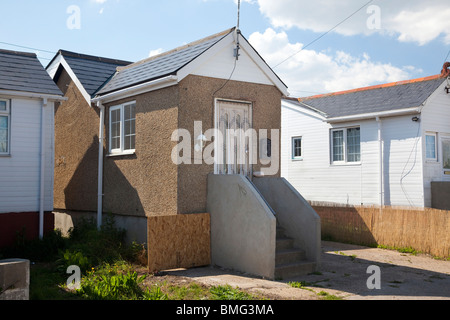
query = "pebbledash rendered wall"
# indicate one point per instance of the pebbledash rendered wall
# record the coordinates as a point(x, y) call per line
point(148, 183)
point(76, 150)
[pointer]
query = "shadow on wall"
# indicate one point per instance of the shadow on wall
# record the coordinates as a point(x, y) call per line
point(82, 190)
point(344, 224)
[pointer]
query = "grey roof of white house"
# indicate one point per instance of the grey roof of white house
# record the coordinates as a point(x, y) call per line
point(91, 71)
point(23, 72)
point(160, 66)
point(387, 97)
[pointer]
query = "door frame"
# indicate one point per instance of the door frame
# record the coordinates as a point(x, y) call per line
point(217, 123)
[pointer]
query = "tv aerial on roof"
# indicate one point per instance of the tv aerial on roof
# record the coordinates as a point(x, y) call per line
point(236, 51)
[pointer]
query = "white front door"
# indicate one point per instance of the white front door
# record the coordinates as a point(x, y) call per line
point(233, 120)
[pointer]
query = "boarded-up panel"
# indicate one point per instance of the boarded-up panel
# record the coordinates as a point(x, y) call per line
point(178, 241)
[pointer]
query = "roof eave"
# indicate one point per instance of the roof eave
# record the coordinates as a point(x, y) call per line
point(32, 95)
point(374, 115)
point(137, 89)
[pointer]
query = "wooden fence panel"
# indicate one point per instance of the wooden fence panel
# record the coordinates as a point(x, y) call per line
point(425, 230)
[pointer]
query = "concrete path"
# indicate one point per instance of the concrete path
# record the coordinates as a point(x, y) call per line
point(345, 271)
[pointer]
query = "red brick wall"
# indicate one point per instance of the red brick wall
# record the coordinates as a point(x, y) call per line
point(24, 224)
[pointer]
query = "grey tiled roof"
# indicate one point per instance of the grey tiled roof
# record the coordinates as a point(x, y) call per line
point(92, 71)
point(402, 95)
point(21, 71)
point(166, 64)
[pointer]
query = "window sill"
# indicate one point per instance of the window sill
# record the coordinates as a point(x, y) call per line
point(297, 159)
point(5, 156)
point(121, 154)
point(346, 164)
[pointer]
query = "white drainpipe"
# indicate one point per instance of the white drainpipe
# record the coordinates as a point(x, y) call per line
point(380, 143)
point(100, 165)
point(42, 172)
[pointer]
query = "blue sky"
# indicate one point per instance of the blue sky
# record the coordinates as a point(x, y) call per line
point(385, 41)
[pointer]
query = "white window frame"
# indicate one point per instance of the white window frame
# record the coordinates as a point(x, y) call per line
point(293, 140)
point(434, 135)
point(121, 150)
point(7, 113)
point(345, 146)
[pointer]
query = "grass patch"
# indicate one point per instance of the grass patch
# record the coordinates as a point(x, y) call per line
point(352, 257)
point(326, 296)
point(323, 295)
point(108, 268)
point(409, 250)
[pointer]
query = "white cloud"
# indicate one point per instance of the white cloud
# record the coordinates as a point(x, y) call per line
point(155, 52)
point(310, 72)
point(409, 21)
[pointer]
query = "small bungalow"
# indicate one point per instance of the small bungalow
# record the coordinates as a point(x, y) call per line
point(177, 166)
point(28, 97)
point(385, 145)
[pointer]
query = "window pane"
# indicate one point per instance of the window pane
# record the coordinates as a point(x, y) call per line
point(297, 147)
point(127, 143)
point(4, 139)
point(431, 147)
point(354, 145)
point(3, 122)
point(446, 154)
point(127, 128)
point(115, 129)
point(129, 112)
point(338, 145)
point(3, 105)
point(115, 143)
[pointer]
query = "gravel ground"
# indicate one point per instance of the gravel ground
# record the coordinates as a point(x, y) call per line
point(344, 274)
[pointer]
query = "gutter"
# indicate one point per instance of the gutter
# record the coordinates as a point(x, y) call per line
point(138, 89)
point(48, 97)
point(367, 116)
point(100, 165)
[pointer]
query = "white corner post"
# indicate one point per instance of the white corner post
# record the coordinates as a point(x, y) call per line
point(100, 165)
point(380, 145)
point(42, 171)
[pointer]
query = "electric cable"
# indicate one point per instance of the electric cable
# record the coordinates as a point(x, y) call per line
point(323, 35)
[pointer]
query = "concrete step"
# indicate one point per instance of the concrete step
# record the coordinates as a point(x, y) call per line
point(280, 232)
point(289, 256)
point(284, 243)
point(295, 269)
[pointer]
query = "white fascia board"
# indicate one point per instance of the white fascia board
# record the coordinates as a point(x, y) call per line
point(137, 90)
point(51, 70)
point(31, 95)
point(373, 115)
point(244, 45)
point(304, 109)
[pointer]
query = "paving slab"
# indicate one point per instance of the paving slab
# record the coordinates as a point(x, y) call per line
point(349, 272)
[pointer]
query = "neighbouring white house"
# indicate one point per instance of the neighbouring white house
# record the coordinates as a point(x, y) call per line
point(380, 145)
point(27, 100)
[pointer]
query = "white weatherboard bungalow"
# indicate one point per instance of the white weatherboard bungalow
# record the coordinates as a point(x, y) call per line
point(27, 99)
point(381, 145)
